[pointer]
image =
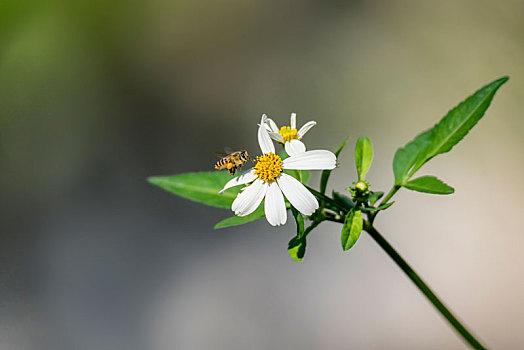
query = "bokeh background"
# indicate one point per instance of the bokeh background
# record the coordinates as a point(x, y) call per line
point(97, 95)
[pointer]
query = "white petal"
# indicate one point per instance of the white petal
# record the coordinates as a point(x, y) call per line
point(311, 160)
point(277, 137)
point(294, 147)
point(305, 128)
point(273, 127)
point(244, 178)
point(266, 145)
point(297, 194)
point(249, 199)
point(293, 121)
point(274, 205)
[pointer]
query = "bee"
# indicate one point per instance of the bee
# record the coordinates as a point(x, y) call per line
point(232, 161)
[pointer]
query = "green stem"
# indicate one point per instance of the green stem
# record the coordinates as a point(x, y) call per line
point(415, 278)
point(390, 194)
point(384, 244)
point(310, 228)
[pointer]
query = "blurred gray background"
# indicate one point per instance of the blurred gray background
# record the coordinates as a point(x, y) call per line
point(95, 96)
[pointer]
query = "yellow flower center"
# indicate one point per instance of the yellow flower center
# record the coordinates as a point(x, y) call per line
point(287, 133)
point(268, 167)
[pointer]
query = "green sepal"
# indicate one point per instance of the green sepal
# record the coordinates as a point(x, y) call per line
point(297, 245)
point(429, 184)
point(326, 173)
point(202, 187)
point(445, 134)
point(363, 157)
point(352, 228)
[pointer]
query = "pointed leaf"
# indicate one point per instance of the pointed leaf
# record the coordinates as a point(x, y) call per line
point(240, 220)
point(385, 205)
point(380, 207)
point(374, 197)
point(200, 187)
point(363, 157)
point(352, 228)
point(297, 245)
point(297, 248)
point(429, 184)
point(326, 173)
point(444, 135)
point(406, 157)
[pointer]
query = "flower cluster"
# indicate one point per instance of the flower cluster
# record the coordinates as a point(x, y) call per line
point(266, 180)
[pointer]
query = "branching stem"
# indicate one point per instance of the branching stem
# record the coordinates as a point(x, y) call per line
point(404, 266)
point(422, 286)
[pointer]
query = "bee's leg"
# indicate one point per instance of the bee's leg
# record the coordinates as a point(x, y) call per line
point(232, 170)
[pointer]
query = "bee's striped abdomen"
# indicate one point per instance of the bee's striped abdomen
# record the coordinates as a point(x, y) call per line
point(221, 164)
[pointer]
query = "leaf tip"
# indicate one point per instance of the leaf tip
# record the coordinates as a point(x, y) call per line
point(154, 180)
point(499, 82)
point(504, 79)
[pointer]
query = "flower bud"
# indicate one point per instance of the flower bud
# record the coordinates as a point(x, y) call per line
point(362, 186)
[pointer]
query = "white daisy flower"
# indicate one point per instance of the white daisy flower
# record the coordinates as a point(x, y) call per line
point(268, 181)
point(288, 135)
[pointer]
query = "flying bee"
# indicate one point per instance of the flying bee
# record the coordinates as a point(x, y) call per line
point(232, 161)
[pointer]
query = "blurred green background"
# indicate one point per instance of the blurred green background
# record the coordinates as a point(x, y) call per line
point(95, 96)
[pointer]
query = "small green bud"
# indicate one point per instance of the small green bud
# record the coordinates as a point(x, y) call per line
point(359, 191)
point(362, 186)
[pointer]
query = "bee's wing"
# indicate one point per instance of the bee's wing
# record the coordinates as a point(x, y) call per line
point(221, 154)
point(229, 150)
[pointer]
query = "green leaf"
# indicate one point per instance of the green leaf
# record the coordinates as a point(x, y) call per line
point(297, 248)
point(352, 228)
point(363, 157)
point(406, 157)
point(380, 207)
point(326, 173)
point(297, 245)
point(200, 187)
point(374, 197)
point(429, 184)
point(444, 135)
point(343, 200)
point(240, 220)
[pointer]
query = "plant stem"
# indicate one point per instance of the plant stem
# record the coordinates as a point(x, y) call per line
point(415, 278)
point(390, 194)
point(384, 244)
